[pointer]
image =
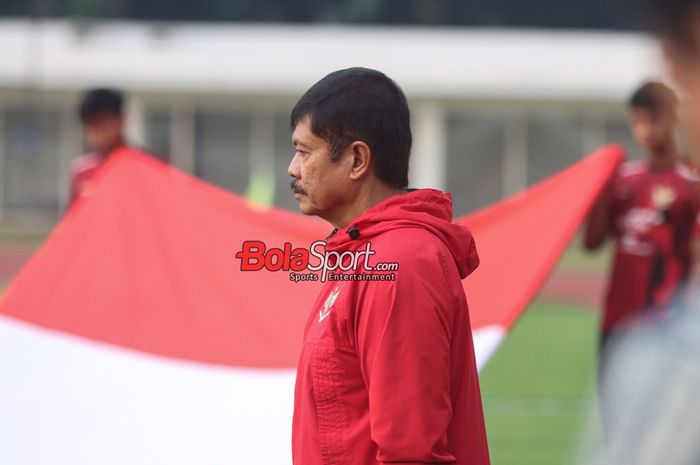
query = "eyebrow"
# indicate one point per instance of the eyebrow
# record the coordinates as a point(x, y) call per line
point(297, 143)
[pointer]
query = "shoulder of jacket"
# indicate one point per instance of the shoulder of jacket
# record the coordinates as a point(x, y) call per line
point(83, 163)
point(632, 168)
point(687, 172)
point(411, 242)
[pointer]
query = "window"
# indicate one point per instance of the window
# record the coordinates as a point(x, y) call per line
point(31, 145)
point(284, 151)
point(474, 160)
point(618, 131)
point(158, 133)
point(222, 147)
point(554, 143)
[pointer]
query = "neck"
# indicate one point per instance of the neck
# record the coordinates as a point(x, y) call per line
point(366, 199)
point(663, 157)
point(111, 149)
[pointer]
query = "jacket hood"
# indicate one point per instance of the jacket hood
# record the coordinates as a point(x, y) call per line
point(428, 209)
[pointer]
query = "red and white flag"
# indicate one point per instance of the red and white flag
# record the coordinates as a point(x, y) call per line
point(132, 336)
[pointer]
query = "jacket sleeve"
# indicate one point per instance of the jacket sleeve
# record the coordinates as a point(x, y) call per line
point(403, 342)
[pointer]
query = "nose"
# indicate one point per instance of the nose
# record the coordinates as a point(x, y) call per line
point(293, 169)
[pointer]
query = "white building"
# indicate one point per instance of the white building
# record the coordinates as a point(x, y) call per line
point(493, 110)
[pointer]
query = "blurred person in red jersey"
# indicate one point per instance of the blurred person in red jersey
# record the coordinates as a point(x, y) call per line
point(650, 210)
point(101, 112)
point(677, 24)
point(652, 374)
point(387, 372)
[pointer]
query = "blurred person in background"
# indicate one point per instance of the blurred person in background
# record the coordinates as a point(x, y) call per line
point(101, 112)
point(649, 209)
point(677, 24)
point(652, 375)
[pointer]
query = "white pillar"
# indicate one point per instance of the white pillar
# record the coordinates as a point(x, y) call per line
point(515, 155)
point(429, 156)
point(135, 120)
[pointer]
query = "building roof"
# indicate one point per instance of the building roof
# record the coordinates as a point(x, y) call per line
point(285, 59)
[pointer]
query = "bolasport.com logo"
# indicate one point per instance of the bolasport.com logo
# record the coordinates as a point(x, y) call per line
point(316, 263)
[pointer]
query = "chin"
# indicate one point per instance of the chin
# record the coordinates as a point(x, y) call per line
point(305, 208)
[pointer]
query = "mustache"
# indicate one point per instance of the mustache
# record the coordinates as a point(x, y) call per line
point(296, 187)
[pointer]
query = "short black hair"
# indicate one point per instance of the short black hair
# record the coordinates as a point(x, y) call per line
point(361, 104)
point(97, 102)
point(655, 97)
point(669, 19)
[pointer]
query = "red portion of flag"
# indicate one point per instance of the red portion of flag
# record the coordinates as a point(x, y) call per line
point(521, 238)
point(148, 262)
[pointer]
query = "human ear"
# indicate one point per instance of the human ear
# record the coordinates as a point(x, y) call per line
point(361, 159)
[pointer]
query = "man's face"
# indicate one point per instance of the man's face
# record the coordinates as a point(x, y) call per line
point(653, 130)
point(321, 186)
point(104, 132)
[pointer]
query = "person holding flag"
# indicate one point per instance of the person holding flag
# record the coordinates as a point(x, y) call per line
point(101, 112)
point(649, 209)
point(652, 373)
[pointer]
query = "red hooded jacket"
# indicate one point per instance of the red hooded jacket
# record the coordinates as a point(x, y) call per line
point(387, 372)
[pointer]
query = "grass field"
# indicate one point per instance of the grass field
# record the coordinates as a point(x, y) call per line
point(538, 387)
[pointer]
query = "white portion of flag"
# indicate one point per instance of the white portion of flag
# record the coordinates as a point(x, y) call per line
point(65, 400)
point(486, 341)
point(68, 401)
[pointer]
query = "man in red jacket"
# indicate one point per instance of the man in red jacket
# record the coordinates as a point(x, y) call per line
point(387, 372)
